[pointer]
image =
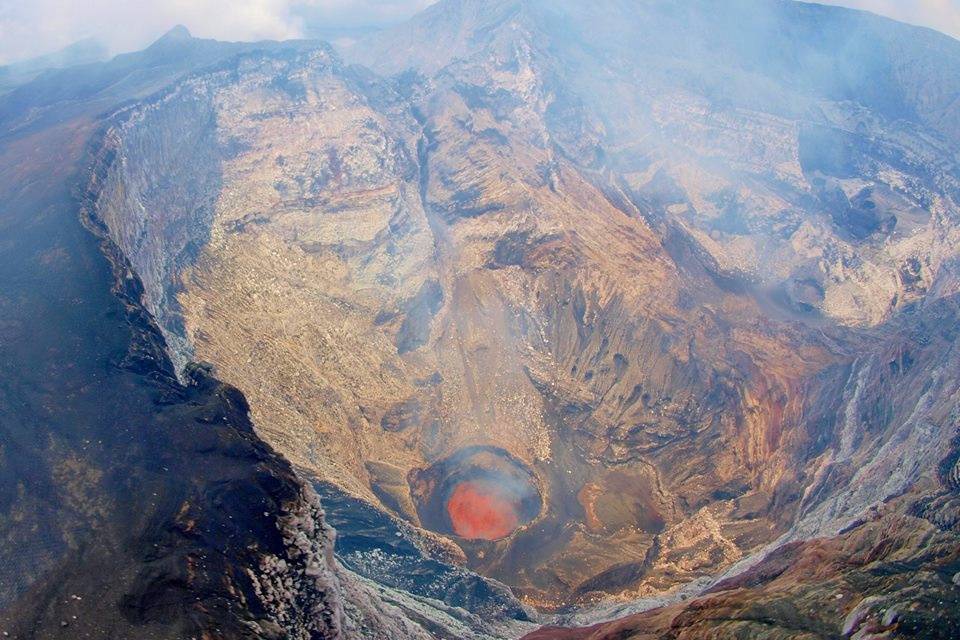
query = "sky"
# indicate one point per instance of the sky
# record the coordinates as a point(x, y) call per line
point(33, 27)
point(942, 15)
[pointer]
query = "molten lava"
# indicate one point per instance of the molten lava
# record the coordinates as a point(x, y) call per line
point(479, 511)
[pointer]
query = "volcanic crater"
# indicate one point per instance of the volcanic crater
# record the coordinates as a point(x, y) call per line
point(545, 354)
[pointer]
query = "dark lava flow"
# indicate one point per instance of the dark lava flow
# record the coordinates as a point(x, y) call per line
point(375, 545)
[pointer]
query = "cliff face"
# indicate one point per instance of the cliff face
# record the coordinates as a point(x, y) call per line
point(182, 179)
point(805, 149)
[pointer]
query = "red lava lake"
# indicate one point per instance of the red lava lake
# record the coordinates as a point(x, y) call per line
point(481, 511)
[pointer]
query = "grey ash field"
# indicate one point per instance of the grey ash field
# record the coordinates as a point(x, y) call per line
point(517, 319)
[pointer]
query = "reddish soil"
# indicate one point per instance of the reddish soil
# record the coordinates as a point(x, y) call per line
point(479, 511)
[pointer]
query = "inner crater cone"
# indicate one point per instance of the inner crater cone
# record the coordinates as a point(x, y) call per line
point(480, 511)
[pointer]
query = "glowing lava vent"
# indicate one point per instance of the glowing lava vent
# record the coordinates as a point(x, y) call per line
point(479, 493)
point(482, 511)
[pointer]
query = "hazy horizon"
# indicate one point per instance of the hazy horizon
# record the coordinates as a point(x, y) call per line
point(39, 27)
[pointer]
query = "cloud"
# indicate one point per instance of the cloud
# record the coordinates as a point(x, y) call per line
point(942, 15)
point(33, 27)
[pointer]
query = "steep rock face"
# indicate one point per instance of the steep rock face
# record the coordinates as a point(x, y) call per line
point(892, 569)
point(667, 300)
point(808, 150)
point(182, 179)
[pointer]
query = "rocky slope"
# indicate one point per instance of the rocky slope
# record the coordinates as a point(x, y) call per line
point(890, 573)
point(888, 577)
